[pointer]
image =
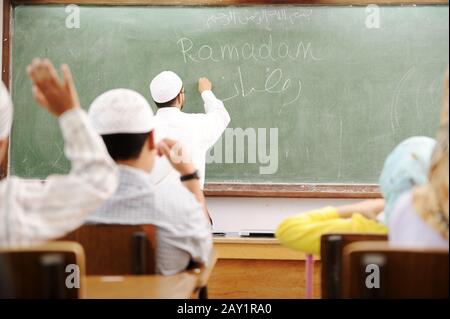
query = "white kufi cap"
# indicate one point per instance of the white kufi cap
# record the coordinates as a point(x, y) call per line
point(121, 111)
point(165, 87)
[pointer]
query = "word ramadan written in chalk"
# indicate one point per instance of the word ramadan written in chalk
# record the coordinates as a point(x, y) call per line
point(200, 52)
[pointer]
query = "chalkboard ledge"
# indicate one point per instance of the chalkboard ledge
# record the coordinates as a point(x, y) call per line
point(292, 190)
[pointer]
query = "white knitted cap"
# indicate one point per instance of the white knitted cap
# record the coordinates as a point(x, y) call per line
point(121, 111)
point(165, 87)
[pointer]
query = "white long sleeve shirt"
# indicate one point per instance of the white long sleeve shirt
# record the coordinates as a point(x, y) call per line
point(35, 211)
point(197, 132)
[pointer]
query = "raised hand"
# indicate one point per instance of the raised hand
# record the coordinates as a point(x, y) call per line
point(49, 91)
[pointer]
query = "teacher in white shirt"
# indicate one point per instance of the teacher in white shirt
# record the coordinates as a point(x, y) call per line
point(196, 132)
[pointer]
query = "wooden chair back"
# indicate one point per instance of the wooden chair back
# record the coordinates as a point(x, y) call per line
point(52, 270)
point(114, 250)
point(331, 255)
point(375, 270)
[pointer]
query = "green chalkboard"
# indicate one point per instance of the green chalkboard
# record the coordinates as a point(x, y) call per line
point(337, 90)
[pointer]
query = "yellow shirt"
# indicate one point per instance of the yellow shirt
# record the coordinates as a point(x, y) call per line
point(302, 232)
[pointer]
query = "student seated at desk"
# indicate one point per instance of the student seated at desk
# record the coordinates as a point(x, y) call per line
point(405, 167)
point(420, 217)
point(32, 212)
point(126, 123)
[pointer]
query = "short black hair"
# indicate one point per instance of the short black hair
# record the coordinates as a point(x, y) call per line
point(166, 104)
point(125, 146)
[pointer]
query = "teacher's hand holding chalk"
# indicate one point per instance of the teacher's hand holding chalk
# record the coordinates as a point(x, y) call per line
point(204, 85)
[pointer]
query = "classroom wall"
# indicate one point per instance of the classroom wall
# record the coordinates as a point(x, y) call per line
point(234, 214)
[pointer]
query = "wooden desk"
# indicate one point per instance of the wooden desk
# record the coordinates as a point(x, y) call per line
point(234, 247)
point(259, 268)
point(179, 286)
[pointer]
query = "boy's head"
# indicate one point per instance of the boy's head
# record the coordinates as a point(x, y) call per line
point(405, 167)
point(167, 90)
point(6, 112)
point(125, 121)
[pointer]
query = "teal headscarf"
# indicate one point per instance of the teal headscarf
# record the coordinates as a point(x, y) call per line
point(405, 167)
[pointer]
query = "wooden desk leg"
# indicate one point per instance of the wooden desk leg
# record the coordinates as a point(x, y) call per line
point(309, 271)
point(203, 293)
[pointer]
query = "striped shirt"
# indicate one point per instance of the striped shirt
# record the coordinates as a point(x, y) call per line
point(183, 232)
point(36, 211)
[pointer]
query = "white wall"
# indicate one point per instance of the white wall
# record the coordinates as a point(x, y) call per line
point(234, 214)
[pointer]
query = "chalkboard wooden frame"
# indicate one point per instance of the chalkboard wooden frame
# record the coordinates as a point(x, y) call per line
point(222, 189)
point(227, 2)
point(292, 190)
